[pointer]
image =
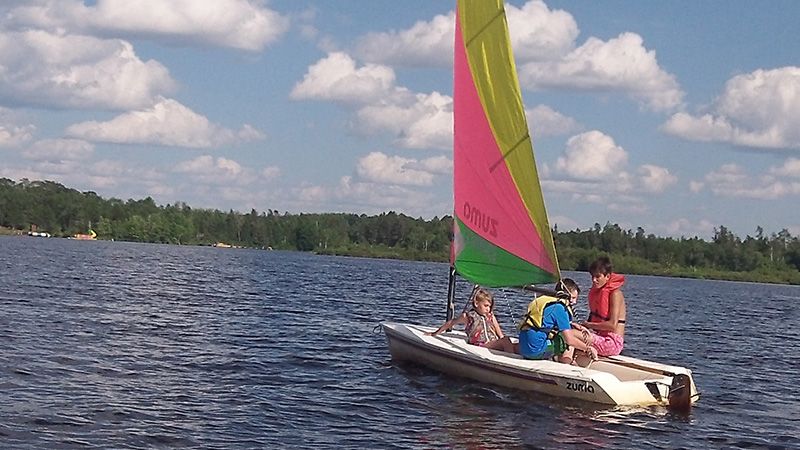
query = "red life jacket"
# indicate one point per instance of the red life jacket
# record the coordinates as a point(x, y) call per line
point(599, 299)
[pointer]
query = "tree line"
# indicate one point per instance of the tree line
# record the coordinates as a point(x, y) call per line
point(62, 211)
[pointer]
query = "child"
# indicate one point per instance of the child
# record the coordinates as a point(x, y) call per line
point(481, 326)
point(606, 309)
point(546, 332)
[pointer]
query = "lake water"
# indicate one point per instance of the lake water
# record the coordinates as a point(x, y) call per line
point(115, 345)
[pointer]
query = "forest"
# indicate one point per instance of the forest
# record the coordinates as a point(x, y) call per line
point(63, 212)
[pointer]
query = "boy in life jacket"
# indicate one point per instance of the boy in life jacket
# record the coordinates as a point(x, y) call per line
point(546, 331)
point(481, 326)
point(606, 308)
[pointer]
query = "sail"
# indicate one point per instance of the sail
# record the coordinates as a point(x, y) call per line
point(501, 233)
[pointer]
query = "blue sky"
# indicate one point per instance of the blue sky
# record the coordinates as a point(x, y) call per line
point(675, 116)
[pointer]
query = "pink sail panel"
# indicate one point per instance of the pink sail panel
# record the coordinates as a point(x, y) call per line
point(486, 197)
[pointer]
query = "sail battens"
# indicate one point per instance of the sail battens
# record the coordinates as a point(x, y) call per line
point(507, 153)
point(501, 230)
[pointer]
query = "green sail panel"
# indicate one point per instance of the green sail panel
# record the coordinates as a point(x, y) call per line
point(481, 260)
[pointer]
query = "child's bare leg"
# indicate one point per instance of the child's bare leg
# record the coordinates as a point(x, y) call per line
point(503, 344)
point(566, 357)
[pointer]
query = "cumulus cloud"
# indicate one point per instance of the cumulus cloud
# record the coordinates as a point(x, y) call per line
point(59, 150)
point(208, 169)
point(683, 227)
point(441, 165)
point(375, 198)
point(790, 168)
point(239, 24)
point(731, 180)
point(655, 179)
point(620, 64)
point(424, 44)
point(545, 121)
point(336, 78)
point(381, 168)
point(67, 71)
point(592, 156)
point(760, 109)
point(416, 120)
point(419, 121)
point(593, 163)
point(167, 123)
point(271, 172)
point(539, 33)
point(361, 195)
point(11, 133)
point(696, 186)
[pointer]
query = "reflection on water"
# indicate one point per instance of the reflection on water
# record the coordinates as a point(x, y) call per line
point(118, 345)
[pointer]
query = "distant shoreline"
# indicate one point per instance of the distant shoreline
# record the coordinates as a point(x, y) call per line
point(382, 252)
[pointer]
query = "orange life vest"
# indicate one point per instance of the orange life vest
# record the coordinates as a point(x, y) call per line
point(599, 299)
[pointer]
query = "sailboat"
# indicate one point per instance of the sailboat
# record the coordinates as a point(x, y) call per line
point(502, 237)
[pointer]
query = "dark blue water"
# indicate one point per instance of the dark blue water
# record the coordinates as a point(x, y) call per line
point(115, 345)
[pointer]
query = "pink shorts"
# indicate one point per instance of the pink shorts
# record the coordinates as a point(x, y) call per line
point(607, 343)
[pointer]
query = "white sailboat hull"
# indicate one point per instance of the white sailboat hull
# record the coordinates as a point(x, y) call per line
point(616, 380)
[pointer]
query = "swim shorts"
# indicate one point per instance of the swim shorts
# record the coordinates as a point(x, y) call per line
point(548, 352)
point(607, 343)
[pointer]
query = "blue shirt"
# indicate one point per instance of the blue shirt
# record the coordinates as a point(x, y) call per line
point(533, 343)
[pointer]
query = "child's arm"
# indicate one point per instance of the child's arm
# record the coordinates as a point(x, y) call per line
point(449, 324)
point(496, 325)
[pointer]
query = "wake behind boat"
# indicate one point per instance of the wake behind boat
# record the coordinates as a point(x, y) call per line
point(502, 238)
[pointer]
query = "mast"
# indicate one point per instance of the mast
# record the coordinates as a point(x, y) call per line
point(451, 294)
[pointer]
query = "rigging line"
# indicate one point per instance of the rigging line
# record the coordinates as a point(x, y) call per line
point(507, 307)
point(527, 136)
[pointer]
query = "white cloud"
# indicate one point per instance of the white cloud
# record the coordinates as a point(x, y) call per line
point(313, 194)
point(696, 186)
point(239, 24)
point(441, 165)
point(363, 196)
point(208, 169)
point(336, 78)
point(166, 123)
point(271, 172)
point(424, 44)
point(790, 168)
point(416, 120)
point(381, 168)
point(760, 109)
point(12, 134)
point(683, 227)
point(619, 64)
point(59, 150)
point(421, 121)
point(538, 33)
point(593, 166)
point(53, 70)
point(655, 179)
point(730, 180)
point(634, 207)
point(592, 156)
point(563, 223)
point(545, 121)
point(375, 198)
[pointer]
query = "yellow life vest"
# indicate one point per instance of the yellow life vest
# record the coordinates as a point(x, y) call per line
point(533, 317)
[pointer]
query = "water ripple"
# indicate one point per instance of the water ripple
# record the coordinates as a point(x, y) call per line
point(119, 345)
